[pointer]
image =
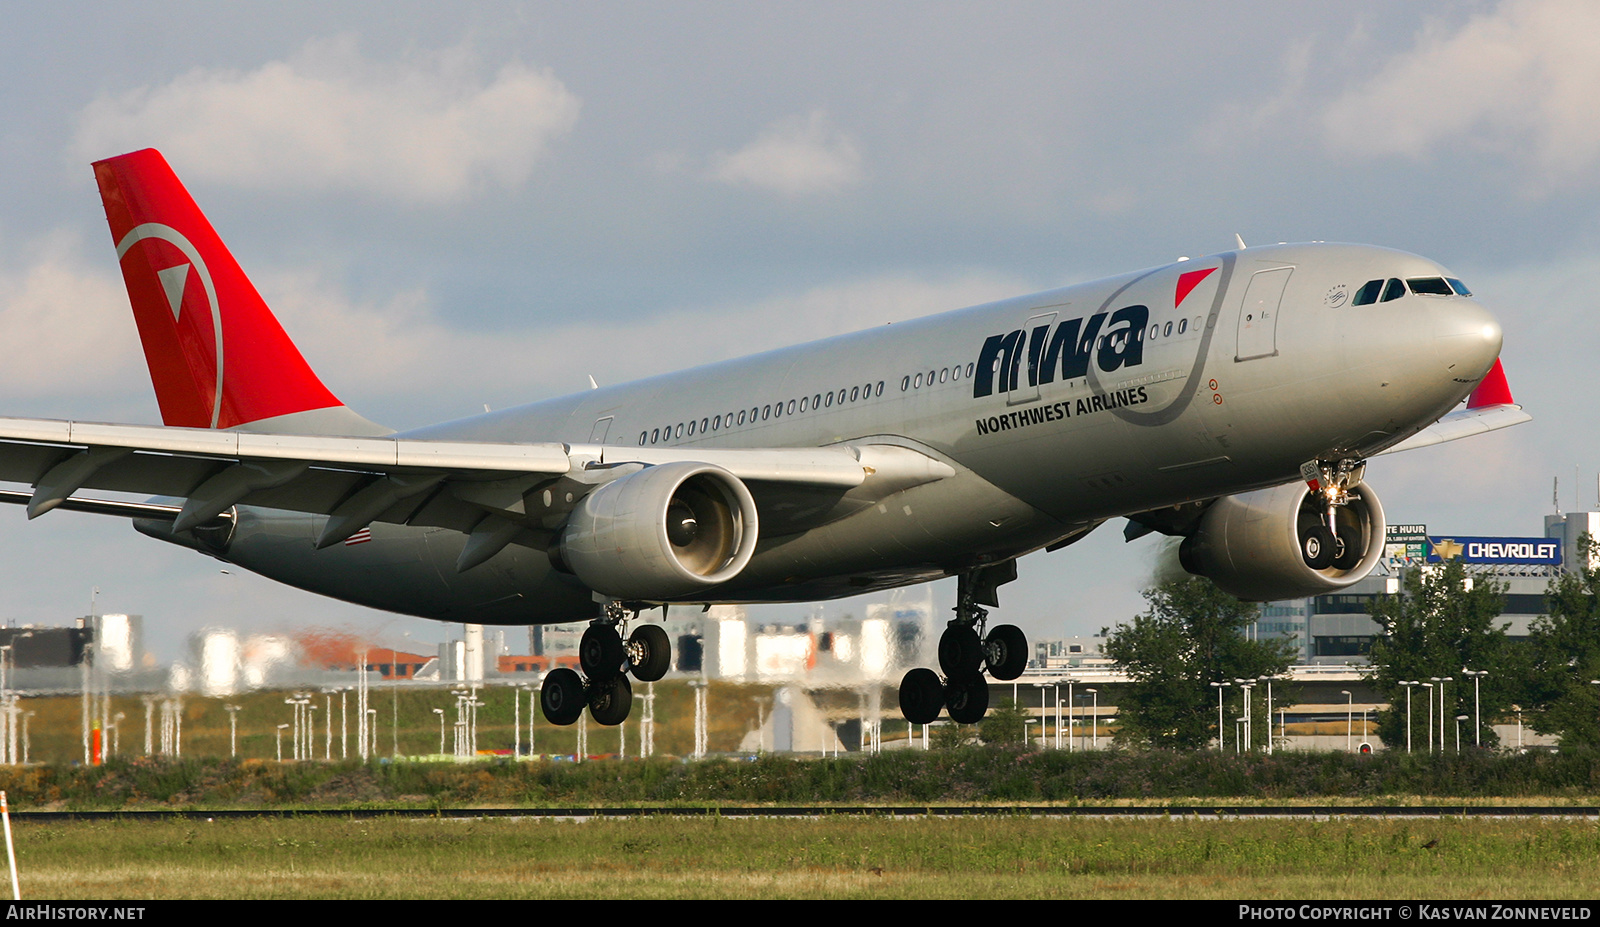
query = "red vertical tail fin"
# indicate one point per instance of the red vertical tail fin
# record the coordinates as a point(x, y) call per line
point(218, 357)
point(1492, 390)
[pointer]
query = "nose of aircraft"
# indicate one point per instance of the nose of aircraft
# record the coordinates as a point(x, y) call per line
point(1466, 338)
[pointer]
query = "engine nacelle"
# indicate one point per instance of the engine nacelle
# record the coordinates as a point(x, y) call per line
point(1259, 546)
point(663, 532)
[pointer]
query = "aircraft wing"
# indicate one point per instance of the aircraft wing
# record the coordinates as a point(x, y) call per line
point(1464, 423)
point(1489, 408)
point(358, 480)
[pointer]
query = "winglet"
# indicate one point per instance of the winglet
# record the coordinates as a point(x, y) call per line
point(1492, 390)
point(217, 356)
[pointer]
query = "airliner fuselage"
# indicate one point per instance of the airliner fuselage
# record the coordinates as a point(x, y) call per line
point(1055, 412)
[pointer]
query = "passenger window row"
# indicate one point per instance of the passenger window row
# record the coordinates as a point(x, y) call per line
point(942, 375)
point(1159, 330)
point(763, 413)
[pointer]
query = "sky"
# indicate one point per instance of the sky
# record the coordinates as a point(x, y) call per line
point(453, 205)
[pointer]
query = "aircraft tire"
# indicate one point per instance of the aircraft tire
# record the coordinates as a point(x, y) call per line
point(1006, 651)
point(1348, 547)
point(562, 696)
point(921, 696)
point(601, 652)
point(649, 653)
point(967, 698)
point(610, 700)
point(960, 652)
point(1317, 547)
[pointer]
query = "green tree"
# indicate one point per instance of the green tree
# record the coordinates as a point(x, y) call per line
point(1565, 645)
point(1006, 723)
point(1437, 627)
point(1191, 636)
point(950, 736)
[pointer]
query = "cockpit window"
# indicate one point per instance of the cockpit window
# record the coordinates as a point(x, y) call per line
point(1458, 286)
point(1429, 286)
point(1368, 294)
point(1394, 290)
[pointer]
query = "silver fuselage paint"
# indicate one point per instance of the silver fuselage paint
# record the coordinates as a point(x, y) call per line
point(1262, 364)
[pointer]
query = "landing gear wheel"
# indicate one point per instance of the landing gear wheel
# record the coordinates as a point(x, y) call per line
point(600, 652)
point(921, 696)
point(1317, 547)
point(611, 700)
point(1006, 651)
point(1348, 549)
point(561, 696)
point(967, 698)
point(649, 653)
point(960, 651)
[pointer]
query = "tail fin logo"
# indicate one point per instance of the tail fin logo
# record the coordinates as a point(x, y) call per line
point(173, 281)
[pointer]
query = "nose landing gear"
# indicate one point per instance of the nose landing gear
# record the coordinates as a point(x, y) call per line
point(965, 650)
point(1330, 533)
point(607, 660)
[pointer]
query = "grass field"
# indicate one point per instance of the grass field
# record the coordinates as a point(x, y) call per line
point(836, 858)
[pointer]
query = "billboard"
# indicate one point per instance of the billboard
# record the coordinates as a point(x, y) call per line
point(1520, 551)
point(1405, 543)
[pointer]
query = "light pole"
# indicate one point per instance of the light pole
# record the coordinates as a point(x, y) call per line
point(1442, 681)
point(1429, 687)
point(699, 687)
point(1041, 686)
point(1222, 742)
point(1249, 736)
point(1094, 717)
point(762, 701)
point(533, 714)
point(1055, 693)
point(233, 730)
point(1459, 719)
point(1070, 718)
point(1349, 717)
point(1408, 684)
point(440, 713)
point(1268, 681)
point(1518, 710)
point(1477, 716)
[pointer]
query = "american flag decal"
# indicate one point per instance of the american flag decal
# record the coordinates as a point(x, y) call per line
point(360, 537)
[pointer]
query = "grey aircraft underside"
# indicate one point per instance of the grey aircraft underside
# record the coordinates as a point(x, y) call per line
point(1232, 400)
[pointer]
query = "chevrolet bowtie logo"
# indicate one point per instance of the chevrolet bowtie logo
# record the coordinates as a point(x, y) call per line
point(1447, 548)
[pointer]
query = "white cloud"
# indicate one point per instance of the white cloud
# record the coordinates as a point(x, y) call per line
point(794, 157)
point(66, 327)
point(75, 352)
point(1520, 81)
point(424, 131)
point(404, 359)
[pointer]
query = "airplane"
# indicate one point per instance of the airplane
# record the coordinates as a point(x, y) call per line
point(1232, 400)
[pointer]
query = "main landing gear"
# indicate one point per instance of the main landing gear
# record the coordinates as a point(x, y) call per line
point(607, 661)
point(965, 651)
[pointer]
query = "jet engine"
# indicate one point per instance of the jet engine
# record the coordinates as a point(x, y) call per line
point(1276, 543)
point(663, 532)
